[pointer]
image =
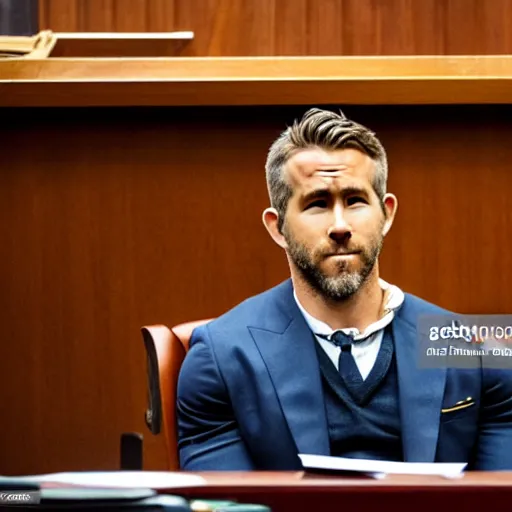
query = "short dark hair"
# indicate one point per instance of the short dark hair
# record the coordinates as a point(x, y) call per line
point(327, 130)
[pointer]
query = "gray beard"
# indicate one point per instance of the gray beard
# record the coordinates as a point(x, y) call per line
point(337, 288)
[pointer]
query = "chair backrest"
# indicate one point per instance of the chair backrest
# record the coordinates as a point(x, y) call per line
point(166, 349)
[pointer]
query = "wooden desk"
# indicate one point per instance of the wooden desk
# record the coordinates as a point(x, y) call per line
point(300, 492)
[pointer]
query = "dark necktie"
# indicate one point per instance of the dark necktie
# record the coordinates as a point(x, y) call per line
point(347, 365)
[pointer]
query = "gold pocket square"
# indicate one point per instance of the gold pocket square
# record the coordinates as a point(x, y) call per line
point(468, 402)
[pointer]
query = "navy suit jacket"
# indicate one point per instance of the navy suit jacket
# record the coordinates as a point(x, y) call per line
point(250, 394)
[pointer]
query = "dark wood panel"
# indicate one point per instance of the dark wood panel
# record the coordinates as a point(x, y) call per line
point(115, 218)
point(301, 27)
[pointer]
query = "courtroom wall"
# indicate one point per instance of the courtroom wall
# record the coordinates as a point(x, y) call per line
point(115, 218)
point(300, 27)
point(119, 217)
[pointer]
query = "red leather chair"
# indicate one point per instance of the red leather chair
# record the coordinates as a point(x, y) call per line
point(165, 349)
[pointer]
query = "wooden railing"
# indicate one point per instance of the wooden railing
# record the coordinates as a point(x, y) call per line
point(256, 81)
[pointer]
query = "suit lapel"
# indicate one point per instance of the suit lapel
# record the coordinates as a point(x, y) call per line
point(421, 394)
point(287, 347)
point(292, 363)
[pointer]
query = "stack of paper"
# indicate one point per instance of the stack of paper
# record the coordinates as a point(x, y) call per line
point(380, 468)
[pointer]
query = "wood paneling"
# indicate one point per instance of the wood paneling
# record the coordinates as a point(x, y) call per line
point(115, 218)
point(301, 27)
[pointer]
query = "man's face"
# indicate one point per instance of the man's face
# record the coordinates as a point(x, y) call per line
point(334, 221)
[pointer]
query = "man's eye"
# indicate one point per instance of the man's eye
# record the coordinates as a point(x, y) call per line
point(356, 200)
point(320, 203)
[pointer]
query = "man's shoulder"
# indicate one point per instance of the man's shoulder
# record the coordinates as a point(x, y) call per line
point(414, 306)
point(421, 305)
point(258, 310)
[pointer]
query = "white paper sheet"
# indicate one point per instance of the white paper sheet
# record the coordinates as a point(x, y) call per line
point(122, 479)
point(379, 468)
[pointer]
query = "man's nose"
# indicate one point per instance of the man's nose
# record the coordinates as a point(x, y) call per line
point(340, 228)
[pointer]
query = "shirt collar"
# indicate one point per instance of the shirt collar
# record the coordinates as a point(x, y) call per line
point(393, 300)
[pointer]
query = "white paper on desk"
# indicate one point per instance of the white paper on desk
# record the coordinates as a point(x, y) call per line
point(122, 479)
point(379, 468)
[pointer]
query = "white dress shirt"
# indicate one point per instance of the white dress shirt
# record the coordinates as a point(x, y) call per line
point(364, 353)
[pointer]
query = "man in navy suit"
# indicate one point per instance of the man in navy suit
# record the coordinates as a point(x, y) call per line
point(326, 362)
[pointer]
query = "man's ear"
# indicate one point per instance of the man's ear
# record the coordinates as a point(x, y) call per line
point(270, 219)
point(390, 207)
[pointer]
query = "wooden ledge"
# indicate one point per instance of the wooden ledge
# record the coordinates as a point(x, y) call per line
point(257, 81)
